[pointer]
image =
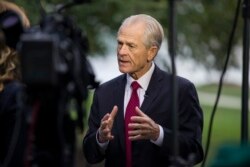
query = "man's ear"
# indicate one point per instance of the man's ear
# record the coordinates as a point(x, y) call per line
point(152, 52)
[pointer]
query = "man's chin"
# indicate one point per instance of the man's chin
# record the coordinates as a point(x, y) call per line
point(122, 70)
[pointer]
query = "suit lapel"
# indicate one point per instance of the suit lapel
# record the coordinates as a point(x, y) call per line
point(153, 90)
point(118, 95)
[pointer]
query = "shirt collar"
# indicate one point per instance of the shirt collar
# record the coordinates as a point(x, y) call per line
point(143, 80)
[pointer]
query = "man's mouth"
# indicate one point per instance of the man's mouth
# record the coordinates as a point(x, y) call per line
point(123, 62)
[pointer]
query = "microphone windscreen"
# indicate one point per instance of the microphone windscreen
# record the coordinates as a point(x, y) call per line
point(11, 26)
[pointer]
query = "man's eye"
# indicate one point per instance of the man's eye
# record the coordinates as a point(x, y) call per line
point(131, 46)
point(119, 44)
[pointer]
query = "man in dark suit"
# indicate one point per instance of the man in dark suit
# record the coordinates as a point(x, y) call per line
point(149, 131)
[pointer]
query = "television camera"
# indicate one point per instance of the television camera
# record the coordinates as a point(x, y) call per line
point(57, 75)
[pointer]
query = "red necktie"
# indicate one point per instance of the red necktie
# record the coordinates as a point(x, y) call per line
point(130, 111)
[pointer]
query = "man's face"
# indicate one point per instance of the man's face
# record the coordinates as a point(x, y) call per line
point(133, 56)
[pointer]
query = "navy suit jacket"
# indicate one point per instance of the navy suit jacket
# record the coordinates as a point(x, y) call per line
point(158, 106)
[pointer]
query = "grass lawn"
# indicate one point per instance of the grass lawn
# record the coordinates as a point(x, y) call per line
point(229, 89)
point(227, 122)
point(226, 129)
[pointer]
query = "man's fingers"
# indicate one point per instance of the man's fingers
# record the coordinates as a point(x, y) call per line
point(139, 134)
point(113, 112)
point(109, 117)
point(106, 131)
point(107, 134)
point(141, 117)
point(106, 117)
point(107, 124)
point(134, 132)
point(139, 112)
point(138, 126)
point(136, 137)
point(138, 119)
point(104, 124)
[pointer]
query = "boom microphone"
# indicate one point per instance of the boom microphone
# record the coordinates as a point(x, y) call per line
point(12, 27)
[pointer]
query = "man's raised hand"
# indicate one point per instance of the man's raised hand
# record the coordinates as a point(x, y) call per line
point(107, 125)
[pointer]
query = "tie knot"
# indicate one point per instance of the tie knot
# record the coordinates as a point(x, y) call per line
point(135, 85)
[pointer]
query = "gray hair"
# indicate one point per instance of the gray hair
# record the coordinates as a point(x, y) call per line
point(154, 33)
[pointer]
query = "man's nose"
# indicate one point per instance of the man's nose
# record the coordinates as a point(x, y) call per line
point(123, 50)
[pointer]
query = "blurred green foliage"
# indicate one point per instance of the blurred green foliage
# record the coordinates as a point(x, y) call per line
point(203, 27)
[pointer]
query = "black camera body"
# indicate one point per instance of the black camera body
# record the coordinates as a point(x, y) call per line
point(39, 59)
point(54, 54)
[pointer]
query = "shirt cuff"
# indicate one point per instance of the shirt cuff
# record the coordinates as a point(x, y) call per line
point(159, 141)
point(102, 145)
